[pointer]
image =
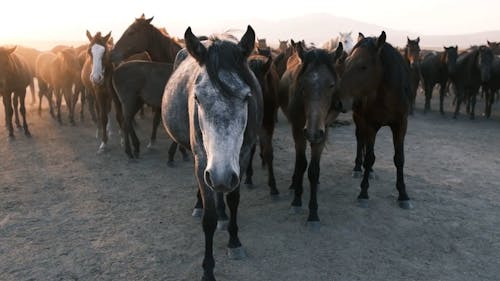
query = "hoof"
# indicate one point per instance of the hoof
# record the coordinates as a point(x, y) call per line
point(372, 175)
point(186, 158)
point(170, 164)
point(294, 210)
point(363, 203)
point(313, 226)
point(405, 204)
point(237, 253)
point(222, 224)
point(28, 134)
point(102, 148)
point(357, 174)
point(151, 146)
point(197, 212)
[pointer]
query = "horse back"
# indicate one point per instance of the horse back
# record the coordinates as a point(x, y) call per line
point(20, 73)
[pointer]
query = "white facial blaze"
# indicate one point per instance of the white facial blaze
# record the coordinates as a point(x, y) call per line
point(97, 74)
point(223, 124)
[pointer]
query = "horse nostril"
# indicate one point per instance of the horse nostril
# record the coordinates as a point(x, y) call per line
point(208, 179)
point(321, 134)
point(235, 180)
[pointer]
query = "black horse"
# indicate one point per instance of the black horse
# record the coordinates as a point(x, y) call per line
point(473, 69)
point(436, 68)
point(492, 86)
point(378, 79)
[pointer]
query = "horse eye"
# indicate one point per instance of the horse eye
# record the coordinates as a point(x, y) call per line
point(195, 98)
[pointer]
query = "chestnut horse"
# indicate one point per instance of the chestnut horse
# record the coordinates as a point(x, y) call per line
point(306, 93)
point(213, 104)
point(378, 79)
point(96, 76)
point(15, 76)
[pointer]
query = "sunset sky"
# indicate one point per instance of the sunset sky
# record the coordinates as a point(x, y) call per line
point(67, 20)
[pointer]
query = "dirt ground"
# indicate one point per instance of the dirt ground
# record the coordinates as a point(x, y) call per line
point(69, 214)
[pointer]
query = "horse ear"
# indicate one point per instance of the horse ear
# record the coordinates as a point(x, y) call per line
point(338, 52)
point(89, 36)
point(381, 41)
point(106, 38)
point(194, 46)
point(10, 50)
point(149, 20)
point(292, 42)
point(247, 42)
point(418, 39)
point(360, 36)
point(408, 39)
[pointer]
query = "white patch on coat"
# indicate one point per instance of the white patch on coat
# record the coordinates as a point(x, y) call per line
point(97, 74)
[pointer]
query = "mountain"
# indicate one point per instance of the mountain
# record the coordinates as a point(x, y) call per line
point(318, 28)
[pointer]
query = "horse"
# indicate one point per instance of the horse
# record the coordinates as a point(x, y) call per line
point(265, 72)
point(285, 51)
point(66, 71)
point(377, 79)
point(412, 57)
point(436, 68)
point(344, 38)
point(212, 104)
point(81, 91)
point(96, 76)
point(136, 83)
point(15, 76)
point(306, 93)
point(30, 55)
point(45, 79)
point(492, 86)
point(494, 46)
point(473, 68)
point(142, 36)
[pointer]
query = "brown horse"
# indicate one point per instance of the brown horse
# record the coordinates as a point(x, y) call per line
point(412, 57)
point(96, 76)
point(45, 80)
point(30, 54)
point(307, 93)
point(142, 36)
point(265, 72)
point(81, 91)
point(15, 76)
point(377, 78)
point(65, 74)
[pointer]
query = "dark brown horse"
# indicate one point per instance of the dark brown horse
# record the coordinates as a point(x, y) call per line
point(15, 76)
point(265, 72)
point(142, 36)
point(492, 86)
point(307, 99)
point(436, 68)
point(96, 76)
point(412, 56)
point(378, 79)
point(473, 68)
point(30, 55)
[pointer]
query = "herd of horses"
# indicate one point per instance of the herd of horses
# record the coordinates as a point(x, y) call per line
point(219, 97)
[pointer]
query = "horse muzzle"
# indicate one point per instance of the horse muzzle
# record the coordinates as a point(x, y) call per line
point(97, 78)
point(225, 180)
point(315, 136)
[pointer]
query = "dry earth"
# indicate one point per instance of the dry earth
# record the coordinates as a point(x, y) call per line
point(69, 214)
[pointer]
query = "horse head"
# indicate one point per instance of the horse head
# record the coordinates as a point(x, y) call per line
point(484, 62)
point(347, 42)
point(222, 99)
point(412, 51)
point(449, 58)
point(98, 51)
point(5, 66)
point(315, 84)
point(132, 40)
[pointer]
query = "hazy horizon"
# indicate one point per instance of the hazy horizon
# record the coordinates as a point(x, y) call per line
point(57, 21)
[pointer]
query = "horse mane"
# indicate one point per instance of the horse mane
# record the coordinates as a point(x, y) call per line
point(393, 64)
point(224, 54)
point(316, 57)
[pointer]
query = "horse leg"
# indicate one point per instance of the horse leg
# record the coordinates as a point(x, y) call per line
point(490, 96)
point(185, 154)
point(156, 122)
point(32, 90)
point(15, 103)
point(209, 223)
point(235, 250)
point(171, 153)
point(428, 96)
point(222, 218)
point(300, 168)
point(398, 137)
point(133, 135)
point(7, 103)
point(441, 97)
point(22, 95)
point(128, 116)
point(266, 142)
point(368, 136)
point(68, 99)
point(358, 162)
point(89, 96)
point(198, 206)
point(103, 109)
point(58, 104)
point(249, 171)
point(459, 96)
point(313, 175)
point(472, 95)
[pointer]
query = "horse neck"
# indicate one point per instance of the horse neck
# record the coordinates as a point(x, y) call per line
point(163, 49)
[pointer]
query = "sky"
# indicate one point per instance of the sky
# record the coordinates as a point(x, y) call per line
point(68, 20)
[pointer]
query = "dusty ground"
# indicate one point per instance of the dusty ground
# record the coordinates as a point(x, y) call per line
point(69, 214)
